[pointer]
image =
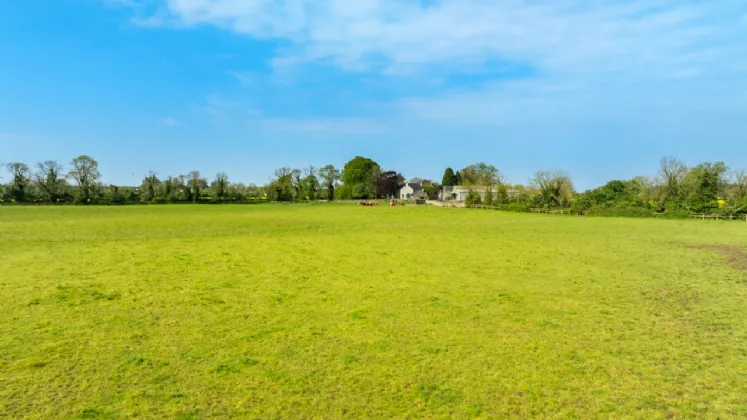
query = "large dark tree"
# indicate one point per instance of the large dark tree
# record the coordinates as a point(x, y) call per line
point(357, 179)
point(449, 178)
point(389, 183)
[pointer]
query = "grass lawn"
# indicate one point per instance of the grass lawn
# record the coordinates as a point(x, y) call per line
point(202, 312)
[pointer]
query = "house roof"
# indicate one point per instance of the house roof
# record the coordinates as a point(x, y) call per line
point(414, 185)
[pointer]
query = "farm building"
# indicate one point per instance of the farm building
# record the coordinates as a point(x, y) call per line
point(406, 190)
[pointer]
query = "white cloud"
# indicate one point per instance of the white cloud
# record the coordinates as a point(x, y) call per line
point(400, 35)
point(168, 122)
point(588, 58)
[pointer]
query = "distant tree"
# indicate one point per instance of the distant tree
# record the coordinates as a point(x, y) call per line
point(488, 197)
point(449, 178)
point(310, 184)
point(480, 174)
point(237, 192)
point(672, 174)
point(281, 188)
point(357, 172)
point(458, 178)
point(555, 187)
point(360, 191)
point(705, 184)
point(373, 178)
point(296, 183)
point(115, 197)
point(330, 175)
point(49, 180)
point(501, 196)
point(473, 198)
point(18, 189)
point(389, 182)
point(431, 190)
point(149, 187)
point(219, 187)
point(85, 172)
point(253, 191)
point(178, 189)
point(415, 180)
point(738, 189)
point(195, 185)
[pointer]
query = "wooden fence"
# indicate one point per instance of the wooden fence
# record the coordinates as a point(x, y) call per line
point(719, 216)
point(560, 212)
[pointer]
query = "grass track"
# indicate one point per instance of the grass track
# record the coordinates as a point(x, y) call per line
point(332, 311)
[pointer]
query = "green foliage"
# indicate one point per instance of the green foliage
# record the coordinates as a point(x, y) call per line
point(149, 186)
point(310, 185)
point(480, 174)
point(360, 171)
point(555, 188)
point(85, 172)
point(488, 197)
point(281, 188)
point(18, 189)
point(219, 188)
point(330, 176)
point(473, 198)
point(706, 185)
point(449, 179)
point(458, 178)
point(49, 181)
point(357, 170)
point(431, 191)
point(359, 191)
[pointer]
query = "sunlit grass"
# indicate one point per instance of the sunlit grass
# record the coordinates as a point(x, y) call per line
point(341, 311)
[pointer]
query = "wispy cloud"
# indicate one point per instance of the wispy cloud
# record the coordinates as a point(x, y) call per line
point(168, 122)
point(351, 126)
point(244, 77)
point(606, 59)
point(222, 110)
point(563, 35)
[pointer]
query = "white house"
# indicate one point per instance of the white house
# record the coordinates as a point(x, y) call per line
point(406, 190)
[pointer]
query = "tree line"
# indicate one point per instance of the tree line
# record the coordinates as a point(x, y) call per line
point(676, 190)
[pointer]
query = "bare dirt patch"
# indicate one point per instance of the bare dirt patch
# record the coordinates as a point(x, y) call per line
point(735, 255)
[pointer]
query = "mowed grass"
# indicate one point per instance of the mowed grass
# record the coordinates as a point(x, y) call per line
point(336, 311)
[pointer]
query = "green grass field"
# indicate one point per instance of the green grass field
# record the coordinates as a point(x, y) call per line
point(331, 311)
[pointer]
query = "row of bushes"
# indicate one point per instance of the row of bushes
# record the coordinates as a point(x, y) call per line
point(618, 211)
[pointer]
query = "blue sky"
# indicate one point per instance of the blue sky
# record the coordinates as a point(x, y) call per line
point(601, 89)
